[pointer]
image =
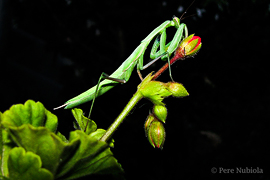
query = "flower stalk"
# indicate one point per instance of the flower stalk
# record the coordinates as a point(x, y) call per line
point(133, 101)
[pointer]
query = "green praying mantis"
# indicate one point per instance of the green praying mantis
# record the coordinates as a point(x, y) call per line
point(123, 73)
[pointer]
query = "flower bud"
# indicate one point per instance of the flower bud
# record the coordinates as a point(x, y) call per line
point(156, 134)
point(177, 89)
point(155, 91)
point(160, 112)
point(189, 46)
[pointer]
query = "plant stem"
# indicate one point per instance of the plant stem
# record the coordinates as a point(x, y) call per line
point(173, 60)
point(132, 102)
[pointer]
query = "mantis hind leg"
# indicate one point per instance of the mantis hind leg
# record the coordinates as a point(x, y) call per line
point(102, 76)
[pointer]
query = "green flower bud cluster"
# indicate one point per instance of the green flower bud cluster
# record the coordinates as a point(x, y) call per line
point(156, 91)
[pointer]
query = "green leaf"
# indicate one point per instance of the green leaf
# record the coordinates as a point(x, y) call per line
point(82, 121)
point(99, 133)
point(30, 113)
point(92, 157)
point(6, 145)
point(62, 137)
point(82, 155)
point(26, 166)
point(1, 145)
point(39, 140)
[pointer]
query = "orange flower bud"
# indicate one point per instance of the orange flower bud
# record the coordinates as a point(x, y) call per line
point(189, 46)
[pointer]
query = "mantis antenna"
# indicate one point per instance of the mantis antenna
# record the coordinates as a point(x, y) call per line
point(181, 17)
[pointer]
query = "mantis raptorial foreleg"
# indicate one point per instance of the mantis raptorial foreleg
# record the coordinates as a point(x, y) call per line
point(167, 49)
point(165, 54)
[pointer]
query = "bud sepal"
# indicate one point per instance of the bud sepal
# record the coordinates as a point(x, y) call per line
point(148, 122)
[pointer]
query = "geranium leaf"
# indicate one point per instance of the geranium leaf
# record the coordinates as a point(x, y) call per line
point(82, 121)
point(39, 140)
point(92, 157)
point(30, 112)
point(26, 166)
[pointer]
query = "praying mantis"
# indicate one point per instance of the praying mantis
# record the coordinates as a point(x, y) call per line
point(123, 73)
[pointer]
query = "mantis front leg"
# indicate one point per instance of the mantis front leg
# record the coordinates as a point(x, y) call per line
point(165, 50)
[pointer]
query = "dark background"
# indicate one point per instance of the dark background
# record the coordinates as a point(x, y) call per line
point(53, 50)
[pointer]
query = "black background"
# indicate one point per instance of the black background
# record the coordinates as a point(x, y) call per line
point(53, 50)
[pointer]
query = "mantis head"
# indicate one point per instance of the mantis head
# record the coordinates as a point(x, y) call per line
point(176, 20)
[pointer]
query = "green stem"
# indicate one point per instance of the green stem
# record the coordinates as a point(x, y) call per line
point(132, 102)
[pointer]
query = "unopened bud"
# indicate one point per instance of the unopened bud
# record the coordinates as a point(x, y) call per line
point(160, 112)
point(177, 89)
point(156, 134)
point(189, 46)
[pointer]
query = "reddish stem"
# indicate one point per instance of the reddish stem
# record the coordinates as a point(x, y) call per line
point(173, 60)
